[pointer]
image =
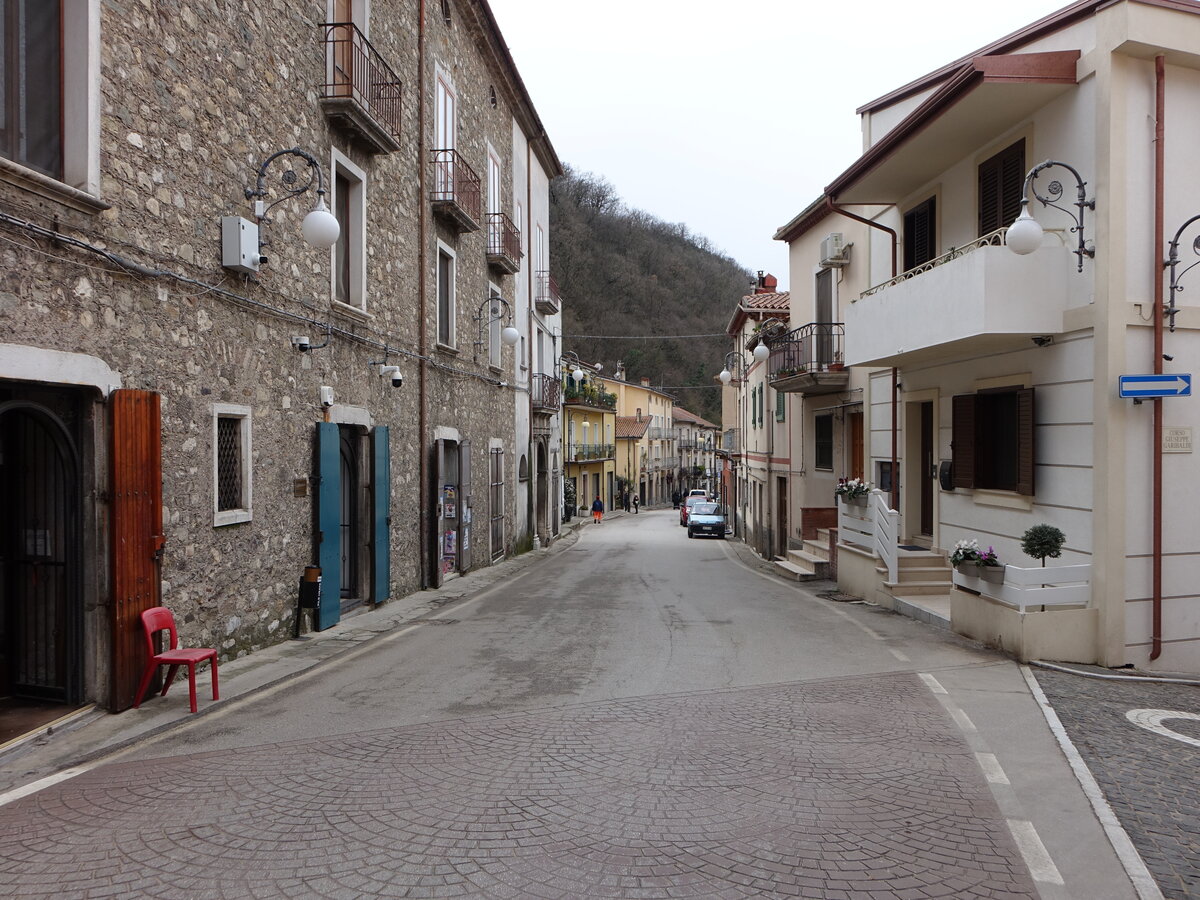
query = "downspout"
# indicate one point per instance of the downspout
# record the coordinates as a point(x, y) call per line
point(425, 489)
point(531, 504)
point(1156, 449)
point(832, 207)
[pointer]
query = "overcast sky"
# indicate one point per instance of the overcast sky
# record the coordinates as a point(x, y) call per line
point(731, 117)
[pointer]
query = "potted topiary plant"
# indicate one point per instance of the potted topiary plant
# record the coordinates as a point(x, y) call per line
point(1042, 541)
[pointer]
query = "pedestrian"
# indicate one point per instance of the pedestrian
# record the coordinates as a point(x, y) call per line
point(625, 500)
point(675, 499)
point(635, 504)
point(597, 509)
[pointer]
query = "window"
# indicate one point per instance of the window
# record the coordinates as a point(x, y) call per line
point(30, 128)
point(349, 253)
point(444, 125)
point(780, 405)
point(1001, 181)
point(920, 234)
point(232, 472)
point(445, 296)
point(823, 441)
point(993, 440)
point(49, 92)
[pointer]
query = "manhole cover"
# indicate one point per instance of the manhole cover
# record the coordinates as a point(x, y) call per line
point(839, 597)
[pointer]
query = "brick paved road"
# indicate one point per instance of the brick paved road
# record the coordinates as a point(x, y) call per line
point(1149, 779)
point(852, 787)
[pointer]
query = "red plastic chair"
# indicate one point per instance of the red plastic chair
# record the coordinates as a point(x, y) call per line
point(153, 621)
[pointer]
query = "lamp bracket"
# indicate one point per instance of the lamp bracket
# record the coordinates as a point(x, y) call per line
point(1176, 276)
point(291, 183)
point(1054, 193)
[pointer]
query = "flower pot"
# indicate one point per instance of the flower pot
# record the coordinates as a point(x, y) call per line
point(860, 502)
point(991, 574)
point(966, 568)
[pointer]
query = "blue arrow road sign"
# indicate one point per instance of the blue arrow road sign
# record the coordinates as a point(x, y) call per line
point(1155, 385)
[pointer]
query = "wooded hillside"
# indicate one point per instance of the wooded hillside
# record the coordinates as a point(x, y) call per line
point(624, 272)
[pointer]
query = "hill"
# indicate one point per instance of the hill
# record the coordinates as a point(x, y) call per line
point(624, 272)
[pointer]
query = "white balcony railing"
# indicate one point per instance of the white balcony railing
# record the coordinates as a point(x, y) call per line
point(978, 297)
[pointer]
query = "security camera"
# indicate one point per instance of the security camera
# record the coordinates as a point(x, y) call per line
point(394, 373)
point(301, 342)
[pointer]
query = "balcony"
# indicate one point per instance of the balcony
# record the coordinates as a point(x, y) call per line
point(808, 360)
point(546, 394)
point(977, 299)
point(590, 452)
point(660, 433)
point(588, 395)
point(362, 94)
point(456, 193)
point(731, 440)
point(546, 297)
point(504, 243)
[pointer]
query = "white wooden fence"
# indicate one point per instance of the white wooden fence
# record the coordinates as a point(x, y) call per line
point(873, 527)
point(1022, 588)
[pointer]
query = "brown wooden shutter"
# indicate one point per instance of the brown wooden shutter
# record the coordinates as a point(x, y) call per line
point(137, 532)
point(1025, 448)
point(920, 237)
point(1001, 180)
point(962, 446)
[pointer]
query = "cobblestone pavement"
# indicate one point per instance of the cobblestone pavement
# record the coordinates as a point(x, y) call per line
point(1149, 779)
point(844, 788)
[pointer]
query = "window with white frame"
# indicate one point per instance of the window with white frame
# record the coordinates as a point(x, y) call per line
point(49, 90)
point(349, 253)
point(232, 469)
point(445, 295)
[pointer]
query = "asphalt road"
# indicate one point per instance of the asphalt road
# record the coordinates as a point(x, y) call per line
point(642, 715)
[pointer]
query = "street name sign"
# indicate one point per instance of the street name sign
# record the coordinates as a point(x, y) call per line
point(1139, 386)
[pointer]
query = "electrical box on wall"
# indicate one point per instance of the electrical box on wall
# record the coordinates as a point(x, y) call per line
point(240, 250)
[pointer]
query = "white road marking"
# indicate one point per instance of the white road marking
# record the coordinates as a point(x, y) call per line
point(932, 683)
point(900, 656)
point(964, 722)
point(1041, 866)
point(991, 768)
point(1135, 867)
point(1152, 720)
point(34, 786)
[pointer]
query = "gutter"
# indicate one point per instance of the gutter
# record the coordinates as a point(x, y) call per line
point(424, 489)
point(1156, 450)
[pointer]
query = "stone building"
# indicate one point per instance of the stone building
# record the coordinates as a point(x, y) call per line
point(196, 403)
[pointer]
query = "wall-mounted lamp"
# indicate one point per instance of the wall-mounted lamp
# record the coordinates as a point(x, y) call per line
point(241, 242)
point(1172, 263)
point(1025, 234)
point(736, 364)
point(499, 310)
point(577, 365)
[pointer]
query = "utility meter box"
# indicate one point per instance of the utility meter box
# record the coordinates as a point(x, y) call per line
point(239, 244)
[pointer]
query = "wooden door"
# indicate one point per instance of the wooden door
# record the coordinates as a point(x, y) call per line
point(856, 445)
point(927, 467)
point(137, 532)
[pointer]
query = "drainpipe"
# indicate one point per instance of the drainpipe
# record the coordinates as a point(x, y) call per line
point(1156, 450)
point(832, 207)
point(424, 489)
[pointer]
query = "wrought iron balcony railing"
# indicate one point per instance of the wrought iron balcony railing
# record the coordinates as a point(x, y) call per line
point(504, 243)
point(991, 239)
point(361, 93)
point(731, 440)
point(546, 393)
point(456, 192)
point(546, 297)
point(590, 452)
point(815, 347)
point(588, 395)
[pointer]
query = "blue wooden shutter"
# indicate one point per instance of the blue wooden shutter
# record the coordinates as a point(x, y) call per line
point(329, 524)
point(381, 485)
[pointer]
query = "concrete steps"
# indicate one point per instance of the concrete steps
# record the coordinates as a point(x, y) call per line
point(922, 587)
point(810, 563)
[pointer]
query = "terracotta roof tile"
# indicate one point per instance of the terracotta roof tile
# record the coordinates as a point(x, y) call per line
point(631, 426)
point(682, 415)
point(778, 300)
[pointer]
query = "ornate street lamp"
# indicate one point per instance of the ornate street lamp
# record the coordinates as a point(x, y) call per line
point(1025, 234)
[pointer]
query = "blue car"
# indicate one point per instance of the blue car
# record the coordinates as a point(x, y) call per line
point(706, 518)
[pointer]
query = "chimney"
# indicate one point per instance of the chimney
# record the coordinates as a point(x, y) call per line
point(767, 284)
point(619, 375)
point(645, 381)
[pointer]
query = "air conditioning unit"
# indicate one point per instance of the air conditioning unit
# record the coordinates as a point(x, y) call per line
point(835, 253)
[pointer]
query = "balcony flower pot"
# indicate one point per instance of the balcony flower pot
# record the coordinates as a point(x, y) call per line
point(836, 367)
point(860, 501)
point(991, 574)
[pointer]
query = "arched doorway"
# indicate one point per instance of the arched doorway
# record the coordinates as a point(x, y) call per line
point(41, 615)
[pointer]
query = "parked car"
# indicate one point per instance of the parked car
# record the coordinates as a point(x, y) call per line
point(706, 518)
point(698, 492)
point(686, 508)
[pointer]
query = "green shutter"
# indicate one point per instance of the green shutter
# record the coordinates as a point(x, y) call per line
point(329, 524)
point(381, 512)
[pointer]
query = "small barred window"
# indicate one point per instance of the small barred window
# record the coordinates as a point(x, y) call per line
point(229, 463)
